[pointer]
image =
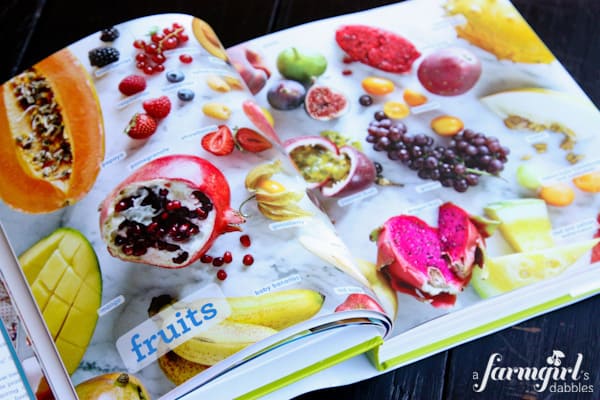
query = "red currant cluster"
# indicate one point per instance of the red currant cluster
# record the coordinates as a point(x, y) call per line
point(152, 58)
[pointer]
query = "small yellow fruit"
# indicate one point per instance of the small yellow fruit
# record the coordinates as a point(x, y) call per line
point(396, 109)
point(558, 194)
point(446, 125)
point(270, 186)
point(414, 98)
point(377, 86)
point(218, 84)
point(216, 110)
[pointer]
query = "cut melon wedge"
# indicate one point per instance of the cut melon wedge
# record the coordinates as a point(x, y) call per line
point(574, 116)
point(524, 223)
point(63, 273)
point(503, 274)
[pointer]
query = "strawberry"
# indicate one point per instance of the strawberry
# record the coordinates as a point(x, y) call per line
point(219, 142)
point(141, 126)
point(250, 140)
point(132, 84)
point(159, 107)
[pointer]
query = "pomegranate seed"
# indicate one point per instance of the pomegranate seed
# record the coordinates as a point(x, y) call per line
point(173, 205)
point(205, 258)
point(221, 275)
point(347, 72)
point(185, 58)
point(248, 260)
point(218, 262)
point(245, 240)
point(227, 257)
point(347, 60)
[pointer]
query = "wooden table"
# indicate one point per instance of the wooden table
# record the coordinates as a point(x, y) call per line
point(33, 29)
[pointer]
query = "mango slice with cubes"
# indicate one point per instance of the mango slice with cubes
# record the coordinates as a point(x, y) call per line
point(63, 273)
point(524, 223)
point(505, 273)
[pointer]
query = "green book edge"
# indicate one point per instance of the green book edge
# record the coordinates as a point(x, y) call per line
point(314, 368)
point(475, 332)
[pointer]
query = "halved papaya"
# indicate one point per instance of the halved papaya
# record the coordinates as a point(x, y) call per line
point(51, 135)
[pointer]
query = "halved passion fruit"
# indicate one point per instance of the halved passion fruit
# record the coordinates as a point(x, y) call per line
point(336, 171)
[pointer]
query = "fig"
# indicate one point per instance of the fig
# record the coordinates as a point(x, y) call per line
point(324, 103)
point(286, 94)
point(335, 171)
point(301, 66)
point(450, 71)
point(168, 212)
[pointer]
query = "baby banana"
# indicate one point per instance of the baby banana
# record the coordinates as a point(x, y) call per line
point(221, 341)
point(277, 310)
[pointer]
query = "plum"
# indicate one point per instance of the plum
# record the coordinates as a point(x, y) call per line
point(286, 94)
point(450, 71)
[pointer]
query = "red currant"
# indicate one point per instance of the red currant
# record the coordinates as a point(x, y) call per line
point(170, 43)
point(245, 240)
point(183, 37)
point(139, 44)
point(141, 65)
point(148, 69)
point(221, 275)
point(185, 58)
point(140, 57)
point(177, 25)
point(159, 58)
point(167, 30)
point(227, 257)
point(248, 260)
point(159, 68)
point(157, 37)
point(205, 258)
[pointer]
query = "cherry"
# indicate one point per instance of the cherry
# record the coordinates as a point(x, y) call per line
point(221, 275)
point(248, 260)
point(245, 240)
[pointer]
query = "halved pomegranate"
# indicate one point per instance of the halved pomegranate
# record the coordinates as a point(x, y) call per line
point(336, 171)
point(168, 212)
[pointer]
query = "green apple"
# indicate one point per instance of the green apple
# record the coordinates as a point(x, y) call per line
point(301, 66)
point(505, 273)
point(524, 223)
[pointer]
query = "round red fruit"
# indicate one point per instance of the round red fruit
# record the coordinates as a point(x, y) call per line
point(245, 240)
point(185, 58)
point(248, 260)
point(227, 257)
point(206, 259)
point(221, 275)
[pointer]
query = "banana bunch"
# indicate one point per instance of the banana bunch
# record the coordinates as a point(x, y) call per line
point(273, 200)
point(252, 319)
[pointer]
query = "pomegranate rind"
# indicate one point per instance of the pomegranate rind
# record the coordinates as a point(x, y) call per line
point(192, 171)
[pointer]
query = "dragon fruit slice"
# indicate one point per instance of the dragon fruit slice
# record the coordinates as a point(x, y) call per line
point(461, 242)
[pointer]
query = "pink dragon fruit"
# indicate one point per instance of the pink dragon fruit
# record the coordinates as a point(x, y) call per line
point(431, 264)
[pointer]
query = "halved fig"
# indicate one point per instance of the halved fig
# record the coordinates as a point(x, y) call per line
point(168, 212)
point(325, 103)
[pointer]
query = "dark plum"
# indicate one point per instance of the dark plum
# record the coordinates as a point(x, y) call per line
point(286, 94)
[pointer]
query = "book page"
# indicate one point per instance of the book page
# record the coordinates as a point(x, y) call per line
point(454, 154)
point(163, 231)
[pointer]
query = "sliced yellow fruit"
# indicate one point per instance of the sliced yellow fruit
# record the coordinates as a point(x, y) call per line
point(524, 223)
point(63, 273)
point(496, 26)
point(505, 273)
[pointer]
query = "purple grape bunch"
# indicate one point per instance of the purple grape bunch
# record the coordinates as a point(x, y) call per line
point(458, 165)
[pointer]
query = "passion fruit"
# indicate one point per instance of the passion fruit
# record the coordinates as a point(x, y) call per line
point(324, 103)
point(335, 171)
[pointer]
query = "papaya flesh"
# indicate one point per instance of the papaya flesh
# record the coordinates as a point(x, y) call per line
point(51, 135)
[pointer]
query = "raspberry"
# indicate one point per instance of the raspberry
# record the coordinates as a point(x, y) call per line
point(101, 56)
point(132, 84)
point(109, 34)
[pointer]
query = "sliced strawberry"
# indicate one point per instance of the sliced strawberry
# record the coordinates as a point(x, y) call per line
point(252, 141)
point(219, 142)
point(141, 126)
point(159, 107)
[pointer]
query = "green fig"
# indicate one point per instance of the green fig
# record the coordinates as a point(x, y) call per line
point(301, 66)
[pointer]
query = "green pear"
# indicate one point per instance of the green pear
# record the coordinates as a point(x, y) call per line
point(301, 66)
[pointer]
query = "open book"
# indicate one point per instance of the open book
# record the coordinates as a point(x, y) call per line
point(341, 198)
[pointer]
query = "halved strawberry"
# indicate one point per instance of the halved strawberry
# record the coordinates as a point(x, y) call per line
point(219, 142)
point(252, 141)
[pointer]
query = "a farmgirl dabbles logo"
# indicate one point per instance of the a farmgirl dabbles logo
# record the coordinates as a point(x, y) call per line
point(172, 326)
point(556, 376)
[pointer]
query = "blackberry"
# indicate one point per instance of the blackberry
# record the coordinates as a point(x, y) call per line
point(109, 34)
point(101, 56)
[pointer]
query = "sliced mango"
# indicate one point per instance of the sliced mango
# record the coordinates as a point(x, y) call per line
point(63, 273)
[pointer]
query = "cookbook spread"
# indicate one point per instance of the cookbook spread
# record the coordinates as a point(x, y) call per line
point(391, 182)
